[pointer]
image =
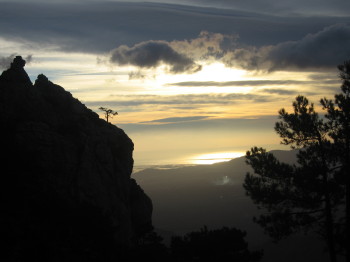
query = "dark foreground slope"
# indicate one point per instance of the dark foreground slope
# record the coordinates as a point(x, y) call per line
point(65, 175)
point(187, 198)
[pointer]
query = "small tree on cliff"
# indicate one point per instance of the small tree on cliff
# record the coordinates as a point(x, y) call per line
point(310, 195)
point(108, 112)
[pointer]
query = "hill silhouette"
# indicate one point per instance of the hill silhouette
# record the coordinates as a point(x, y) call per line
point(66, 187)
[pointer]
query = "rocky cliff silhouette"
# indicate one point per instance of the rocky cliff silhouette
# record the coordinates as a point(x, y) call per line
point(65, 175)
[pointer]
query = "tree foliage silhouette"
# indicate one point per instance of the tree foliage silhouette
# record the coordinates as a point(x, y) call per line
point(311, 194)
point(108, 112)
point(225, 244)
point(338, 115)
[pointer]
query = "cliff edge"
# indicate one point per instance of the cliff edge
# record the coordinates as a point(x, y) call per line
point(65, 174)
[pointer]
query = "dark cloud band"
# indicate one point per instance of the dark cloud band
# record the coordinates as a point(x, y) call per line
point(151, 54)
point(99, 27)
point(324, 49)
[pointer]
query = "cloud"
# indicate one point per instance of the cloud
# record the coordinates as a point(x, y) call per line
point(282, 7)
point(324, 49)
point(5, 61)
point(194, 100)
point(207, 45)
point(98, 27)
point(180, 55)
point(181, 34)
point(136, 75)
point(238, 83)
point(321, 50)
point(177, 119)
point(151, 54)
point(279, 91)
point(227, 124)
point(329, 77)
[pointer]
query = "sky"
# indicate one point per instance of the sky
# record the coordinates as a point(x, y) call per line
point(187, 78)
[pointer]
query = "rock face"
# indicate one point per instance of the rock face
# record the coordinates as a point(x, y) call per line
point(59, 162)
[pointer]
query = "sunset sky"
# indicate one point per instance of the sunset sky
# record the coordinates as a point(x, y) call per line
point(186, 77)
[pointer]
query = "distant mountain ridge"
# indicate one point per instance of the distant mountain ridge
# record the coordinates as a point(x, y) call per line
point(187, 198)
point(59, 157)
point(196, 181)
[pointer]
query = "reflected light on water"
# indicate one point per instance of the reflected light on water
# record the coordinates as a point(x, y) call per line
point(212, 158)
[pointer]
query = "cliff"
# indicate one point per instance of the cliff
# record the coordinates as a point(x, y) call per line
point(65, 174)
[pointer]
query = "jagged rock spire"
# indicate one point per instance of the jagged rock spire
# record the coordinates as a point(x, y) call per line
point(18, 63)
point(16, 72)
point(41, 79)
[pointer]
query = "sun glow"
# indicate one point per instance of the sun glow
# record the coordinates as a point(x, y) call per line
point(212, 158)
point(219, 72)
point(210, 76)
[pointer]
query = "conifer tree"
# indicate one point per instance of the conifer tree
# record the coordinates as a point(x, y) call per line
point(311, 194)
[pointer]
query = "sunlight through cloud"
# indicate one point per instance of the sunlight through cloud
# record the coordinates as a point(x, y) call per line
point(214, 72)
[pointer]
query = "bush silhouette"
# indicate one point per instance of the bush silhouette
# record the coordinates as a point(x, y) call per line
point(225, 244)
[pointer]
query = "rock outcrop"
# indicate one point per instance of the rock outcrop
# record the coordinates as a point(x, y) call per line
point(63, 171)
